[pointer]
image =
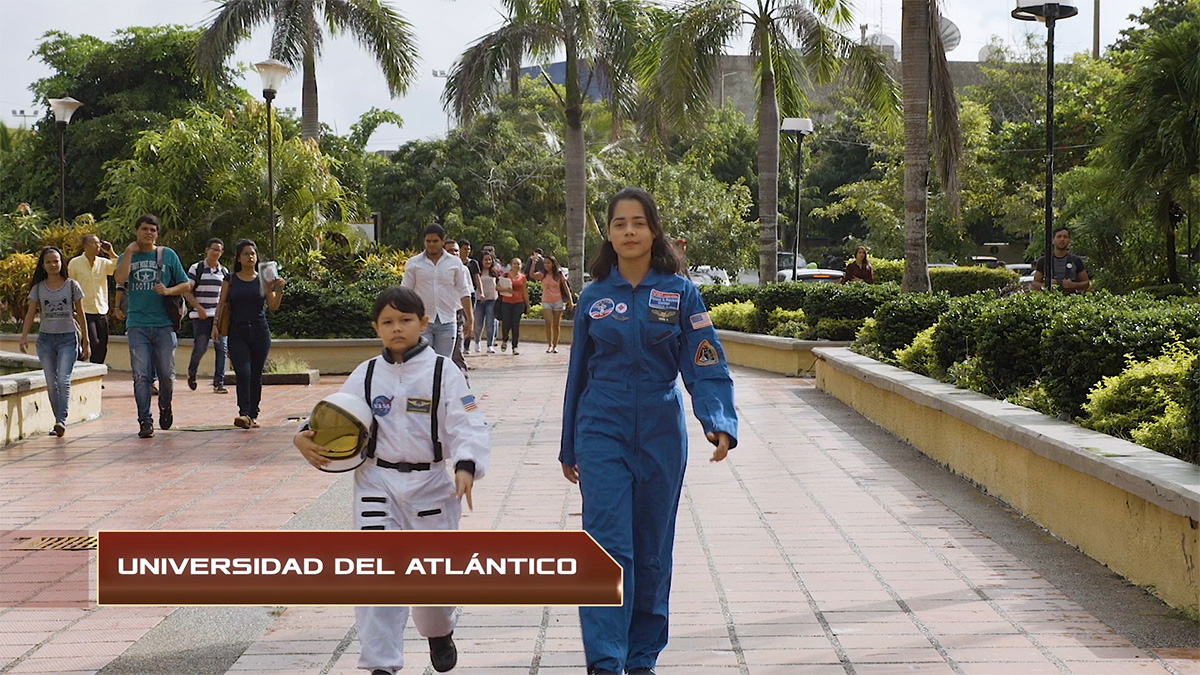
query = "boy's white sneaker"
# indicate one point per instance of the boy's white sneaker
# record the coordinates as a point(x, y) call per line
point(491, 350)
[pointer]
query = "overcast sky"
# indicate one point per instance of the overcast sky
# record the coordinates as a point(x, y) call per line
point(350, 84)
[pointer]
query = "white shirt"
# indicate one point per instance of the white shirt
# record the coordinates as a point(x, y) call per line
point(441, 285)
point(401, 398)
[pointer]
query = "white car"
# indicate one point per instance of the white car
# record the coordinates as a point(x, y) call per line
point(811, 275)
point(705, 274)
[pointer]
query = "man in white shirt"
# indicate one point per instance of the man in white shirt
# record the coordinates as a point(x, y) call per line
point(443, 283)
point(92, 270)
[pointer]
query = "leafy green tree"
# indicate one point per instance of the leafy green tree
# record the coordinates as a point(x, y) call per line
point(202, 174)
point(599, 38)
point(1154, 145)
point(139, 80)
point(352, 164)
point(297, 38)
point(793, 46)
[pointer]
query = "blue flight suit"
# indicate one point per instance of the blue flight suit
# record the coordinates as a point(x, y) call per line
point(623, 427)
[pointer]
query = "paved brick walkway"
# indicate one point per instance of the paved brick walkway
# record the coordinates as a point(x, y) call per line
point(806, 552)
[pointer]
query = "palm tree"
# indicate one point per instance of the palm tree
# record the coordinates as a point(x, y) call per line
point(926, 77)
point(1154, 143)
point(297, 39)
point(793, 45)
point(599, 35)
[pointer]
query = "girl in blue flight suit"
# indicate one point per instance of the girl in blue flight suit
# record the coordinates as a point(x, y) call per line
point(637, 327)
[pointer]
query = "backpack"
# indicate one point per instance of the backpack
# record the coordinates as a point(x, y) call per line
point(172, 303)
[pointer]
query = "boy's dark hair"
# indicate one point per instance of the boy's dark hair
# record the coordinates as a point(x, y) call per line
point(214, 240)
point(434, 229)
point(148, 218)
point(1062, 228)
point(464, 242)
point(538, 251)
point(403, 299)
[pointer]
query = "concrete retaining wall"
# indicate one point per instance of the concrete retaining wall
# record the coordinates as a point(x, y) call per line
point(1131, 508)
point(25, 406)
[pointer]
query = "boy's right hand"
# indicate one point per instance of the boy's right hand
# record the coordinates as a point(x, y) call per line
point(308, 447)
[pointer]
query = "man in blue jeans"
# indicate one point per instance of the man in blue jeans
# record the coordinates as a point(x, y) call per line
point(207, 277)
point(147, 277)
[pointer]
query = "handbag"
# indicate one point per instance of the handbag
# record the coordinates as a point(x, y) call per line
point(223, 315)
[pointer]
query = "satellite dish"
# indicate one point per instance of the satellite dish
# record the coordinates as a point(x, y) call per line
point(951, 37)
point(991, 52)
point(885, 44)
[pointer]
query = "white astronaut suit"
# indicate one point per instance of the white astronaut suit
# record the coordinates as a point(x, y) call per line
point(407, 485)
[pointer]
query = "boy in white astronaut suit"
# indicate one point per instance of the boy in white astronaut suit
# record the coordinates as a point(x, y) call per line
point(405, 485)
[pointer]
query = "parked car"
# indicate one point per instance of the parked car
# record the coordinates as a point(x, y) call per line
point(1023, 269)
point(811, 275)
point(705, 274)
point(987, 261)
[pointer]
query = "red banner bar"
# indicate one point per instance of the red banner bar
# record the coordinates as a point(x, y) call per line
point(299, 567)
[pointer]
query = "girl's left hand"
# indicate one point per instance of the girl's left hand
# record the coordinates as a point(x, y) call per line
point(87, 352)
point(277, 284)
point(722, 440)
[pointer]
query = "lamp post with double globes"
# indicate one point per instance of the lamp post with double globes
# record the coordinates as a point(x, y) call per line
point(1049, 12)
point(272, 72)
point(63, 109)
point(801, 127)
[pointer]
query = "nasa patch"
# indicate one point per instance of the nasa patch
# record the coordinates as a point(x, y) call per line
point(381, 405)
point(601, 308)
point(706, 354)
point(419, 405)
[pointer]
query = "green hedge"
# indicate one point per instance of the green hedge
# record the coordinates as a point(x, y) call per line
point(1094, 339)
point(1008, 339)
point(329, 308)
point(851, 301)
point(954, 340)
point(898, 321)
point(719, 294)
point(960, 281)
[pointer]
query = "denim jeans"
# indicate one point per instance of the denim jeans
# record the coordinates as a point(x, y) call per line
point(249, 344)
point(203, 335)
point(58, 352)
point(151, 355)
point(485, 322)
point(442, 336)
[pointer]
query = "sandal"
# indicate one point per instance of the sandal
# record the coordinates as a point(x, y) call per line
point(242, 422)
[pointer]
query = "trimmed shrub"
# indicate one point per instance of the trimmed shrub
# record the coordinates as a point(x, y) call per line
point(960, 281)
point(16, 271)
point(1095, 339)
point(1034, 397)
point(784, 295)
point(852, 301)
point(780, 316)
point(918, 356)
point(842, 330)
point(720, 294)
point(797, 330)
point(954, 338)
point(1008, 336)
point(901, 319)
point(866, 341)
point(740, 316)
point(1133, 404)
point(888, 271)
point(331, 308)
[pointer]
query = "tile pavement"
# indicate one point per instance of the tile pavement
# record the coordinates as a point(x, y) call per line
point(805, 552)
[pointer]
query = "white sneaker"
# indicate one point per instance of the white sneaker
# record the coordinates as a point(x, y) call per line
point(491, 350)
point(466, 351)
point(515, 352)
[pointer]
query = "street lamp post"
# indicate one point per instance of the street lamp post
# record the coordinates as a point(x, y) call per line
point(63, 109)
point(272, 73)
point(1032, 10)
point(801, 127)
point(445, 76)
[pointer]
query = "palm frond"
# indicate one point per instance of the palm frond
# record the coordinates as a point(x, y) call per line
point(947, 131)
point(622, 28)
point(296, 31)
point(690, 56)
point(791, 76)
point(819, 42)
point(471, 85)
point(868, 71)
point(230, 24)
point(383, 32)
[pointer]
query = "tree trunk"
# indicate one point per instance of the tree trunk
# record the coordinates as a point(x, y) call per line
point(914, 50)
point(768, 167)
point(310, 119)
point(1169, 234)
point(575, 154)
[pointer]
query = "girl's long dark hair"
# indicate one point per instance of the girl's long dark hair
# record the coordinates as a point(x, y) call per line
point(40, 274)
point(557, 268)
point(237, 253)
point(662, 255)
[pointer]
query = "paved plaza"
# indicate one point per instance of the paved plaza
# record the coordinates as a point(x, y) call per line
point(823, 545)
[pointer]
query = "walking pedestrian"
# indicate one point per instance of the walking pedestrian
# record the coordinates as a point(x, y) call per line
point(247, 300)
point(151, 276)
point(441, 281)
point(512, 305)
point(56, 297)
point(208, 275)
point(92, 270)
point(624, 441)
point(485, 309)
point(556, 299)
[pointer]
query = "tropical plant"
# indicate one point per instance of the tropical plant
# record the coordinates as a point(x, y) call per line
point(599, 38)
point(793, 47)
point(297, 38)
point(926, 79)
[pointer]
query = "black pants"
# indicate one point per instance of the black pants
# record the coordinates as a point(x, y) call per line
point(249, 344)
point(510, 321)
point(97, 325)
